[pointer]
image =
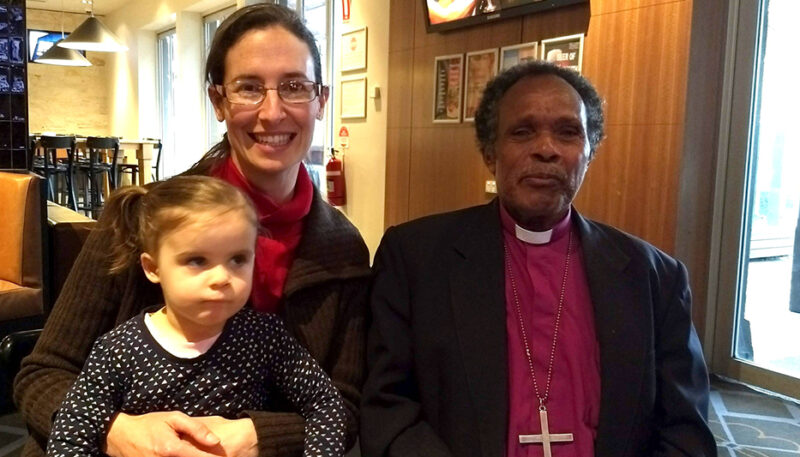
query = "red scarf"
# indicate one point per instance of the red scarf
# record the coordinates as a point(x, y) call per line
point(279, 235)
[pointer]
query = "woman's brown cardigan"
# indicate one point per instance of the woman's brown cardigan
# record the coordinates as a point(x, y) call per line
point(324, 306)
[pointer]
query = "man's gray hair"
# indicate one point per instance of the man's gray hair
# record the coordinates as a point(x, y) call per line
point(486, 117)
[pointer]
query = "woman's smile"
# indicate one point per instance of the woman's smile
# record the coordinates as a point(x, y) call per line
point(273, 139)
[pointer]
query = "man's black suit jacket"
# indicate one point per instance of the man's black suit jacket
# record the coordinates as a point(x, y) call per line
point(438, 380)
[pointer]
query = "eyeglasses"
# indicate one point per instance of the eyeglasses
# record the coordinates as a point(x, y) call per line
point(252, 93)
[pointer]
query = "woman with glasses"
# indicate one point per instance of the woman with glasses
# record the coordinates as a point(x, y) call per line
point(311, 268)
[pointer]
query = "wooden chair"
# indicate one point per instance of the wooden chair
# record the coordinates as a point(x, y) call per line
point(52, 168)
point(97, 166)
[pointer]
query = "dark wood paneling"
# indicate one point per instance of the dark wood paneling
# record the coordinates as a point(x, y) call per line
point(555, 23)
point(400, 92)
point(446, 169)
point(631, 182)
point(398, 155)
point(638, 61)
point(615, 6)
point(401, 30)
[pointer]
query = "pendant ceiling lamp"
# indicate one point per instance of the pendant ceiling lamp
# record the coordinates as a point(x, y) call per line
point(57, 55)
point(93, 35)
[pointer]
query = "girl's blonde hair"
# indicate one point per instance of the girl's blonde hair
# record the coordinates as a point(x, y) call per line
point(136, 218)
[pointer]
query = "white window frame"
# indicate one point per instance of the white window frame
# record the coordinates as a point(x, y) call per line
point(163, 96)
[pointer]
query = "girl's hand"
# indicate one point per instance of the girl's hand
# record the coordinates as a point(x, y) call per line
point(236, 437)
point(161, 434)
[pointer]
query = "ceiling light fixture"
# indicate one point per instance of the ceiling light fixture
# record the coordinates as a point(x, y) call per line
point(57, 55)
point(93, 35)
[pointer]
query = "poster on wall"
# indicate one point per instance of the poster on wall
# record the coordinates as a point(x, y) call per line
point(566, 51)
point(517, 54)
point(354, 50)
point(354, 98)
point(481, 68)
point(447, 88)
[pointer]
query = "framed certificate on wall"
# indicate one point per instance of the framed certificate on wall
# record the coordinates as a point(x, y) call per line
point(354, 98)
point(354, 50)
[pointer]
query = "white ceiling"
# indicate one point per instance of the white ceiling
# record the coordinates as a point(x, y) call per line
point(101, 7)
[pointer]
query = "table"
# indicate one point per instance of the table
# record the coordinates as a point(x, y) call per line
point(141, 150)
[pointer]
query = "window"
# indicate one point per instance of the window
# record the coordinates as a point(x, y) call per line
point(166, 66)
point(758, 298)
point(317, 17)
point(214, 128)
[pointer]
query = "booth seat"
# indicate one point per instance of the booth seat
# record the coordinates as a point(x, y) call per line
point(28, 292)
point(66, 233)
point(22, 251)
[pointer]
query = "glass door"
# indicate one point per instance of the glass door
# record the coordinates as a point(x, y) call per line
point(757, 337)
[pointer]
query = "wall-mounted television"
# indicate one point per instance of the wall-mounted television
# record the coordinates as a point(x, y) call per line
point(39, 41)
point(444, 15)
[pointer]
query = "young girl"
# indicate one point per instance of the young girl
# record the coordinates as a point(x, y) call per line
point(200, 353)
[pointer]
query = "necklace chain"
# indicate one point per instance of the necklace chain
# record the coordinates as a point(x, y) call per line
point(542, 398)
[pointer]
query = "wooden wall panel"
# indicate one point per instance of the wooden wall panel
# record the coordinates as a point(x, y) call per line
point(399, 97)
point(401, 31)
point(398, 155)
point(632, 179)
point(446, 169)
point(401, 74)
point(550, 24)
point(638, 61)
point(615, 6)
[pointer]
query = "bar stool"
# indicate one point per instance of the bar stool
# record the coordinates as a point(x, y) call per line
point(52, 167)
point(98, 164)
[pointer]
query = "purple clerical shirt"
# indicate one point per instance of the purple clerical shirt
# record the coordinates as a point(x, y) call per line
point(574, 398)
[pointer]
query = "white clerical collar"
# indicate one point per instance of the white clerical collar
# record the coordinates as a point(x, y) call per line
point(531, 237)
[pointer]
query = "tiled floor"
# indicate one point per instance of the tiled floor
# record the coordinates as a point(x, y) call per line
point(745, 423)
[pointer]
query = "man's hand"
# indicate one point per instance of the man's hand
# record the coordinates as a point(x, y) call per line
point(161, 434)
point(236, 437)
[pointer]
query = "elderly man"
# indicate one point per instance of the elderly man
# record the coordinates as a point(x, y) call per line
point(520, 328)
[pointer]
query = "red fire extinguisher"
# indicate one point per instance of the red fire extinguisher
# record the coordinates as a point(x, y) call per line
point(334, 175)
